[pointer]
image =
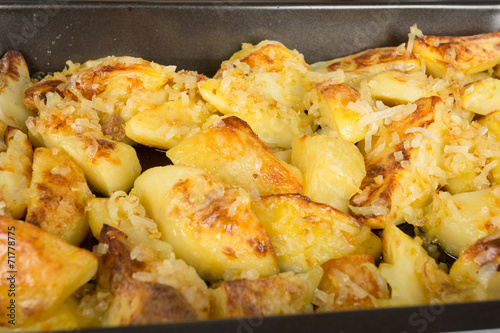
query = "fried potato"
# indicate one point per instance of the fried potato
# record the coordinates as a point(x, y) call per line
point(109, 83)
point(458, 221)
point(476, 270)
point(448, 55)
point(47, 271)
point(350, 282)
point(482, 96)
point(286, 293)
point(232, 152)
point(264, 85)
point(332, 101)
point(370, 62)
point(58, 196)
point(177, 116)
point(395, 87)
point(305, 233)
point(492, 123)
point(401, 176)
point(125, 213)
point(332, 168)
point(108, 165)
point(413, 276)
point(136, 302)
point(208, 224)
point(15, 173)
point(14, 79)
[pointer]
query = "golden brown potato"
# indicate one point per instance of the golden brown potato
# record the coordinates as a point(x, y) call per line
point(370, 62)
point(350, 282)
point(413, 276)
point(14, 79)
point(286, 293)
point(136, 302)
point(264, 85)
point(40, 270)
point(15, 173)
point(108, 165)
point(481, 97)
point(125, 213)
point(332, 169)
point(208, 224)
point(58, 196)
point(332, 101)
point(492, 123)
point(305, 233)
point(106, 83)
point(395, 87)
point(443, 55)
point(476, 270)
point(232, 152)
point(402, 175)
point(458, 221)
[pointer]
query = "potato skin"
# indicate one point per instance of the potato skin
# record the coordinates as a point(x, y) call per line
point(49, 270)
point(232, 152)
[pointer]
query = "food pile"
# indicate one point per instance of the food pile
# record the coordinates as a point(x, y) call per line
point(371, 180)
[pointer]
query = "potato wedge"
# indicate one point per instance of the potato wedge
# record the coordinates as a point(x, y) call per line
point(136, 302)
point(305, 233)
point(58, 196)
point(45, 271)
point(264, 85)
point(15, 173)
point(286, 293)
point(401, 176)
point(232, 152)
point(448, 55)
point(370, 62)
point(351, 282)
point(481, 97)
point(14, 79)
point(208, 224)
point(476, 270)
point(413, 276)
point(332, 168)
point(125, 213)
point(332, 101)
point(458, 221)
point(108, 165)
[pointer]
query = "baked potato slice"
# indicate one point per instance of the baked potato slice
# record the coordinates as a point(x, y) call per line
point(14, 79)
point(481, 97)
point(45, 270)
point(492, 123)
point(395, 87)
point(332, 169)
point(58, 196)
point(476, 272)
point(209, 225)
point(304, 233)
point(413, 276)
point(229, 150)
point(108, 165)
point(15, 173)
point(286, 293)
point(350, 282)
point(448, 55)
point(264, 85)
point(402, 174)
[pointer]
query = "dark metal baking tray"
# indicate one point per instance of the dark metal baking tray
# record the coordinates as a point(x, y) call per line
point(198, 36)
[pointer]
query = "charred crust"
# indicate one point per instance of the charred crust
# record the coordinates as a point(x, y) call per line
point(10, 63)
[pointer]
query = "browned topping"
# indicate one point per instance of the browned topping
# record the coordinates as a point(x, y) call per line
point(115, 127)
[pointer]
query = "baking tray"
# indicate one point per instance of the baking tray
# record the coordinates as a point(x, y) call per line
point(198, 36)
